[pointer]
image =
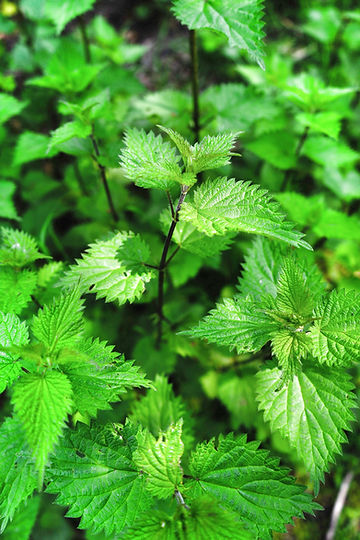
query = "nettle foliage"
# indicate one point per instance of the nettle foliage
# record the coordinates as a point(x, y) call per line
point(151, 476)
point(130, 479)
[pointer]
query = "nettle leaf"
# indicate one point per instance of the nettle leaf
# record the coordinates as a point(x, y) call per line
point(9, 106)
point(60, 323)
point(290, 347)
point(24, 520)
point(311, 411)
point(150, 161)
point(18, 248)
point(335, 334)
point(7, 207)
point(249, 482)
point(311, 94)
point(42, 403)
point(160, 460)
point(68, 131)
point(187, 237)
point(16, 289)
point(264, 264)
point(293, 296)
point(31, 146)
point(100, 270)
point(98, 375)
point(204, 519)
point(12, 332)
point(238, 323)
point(223, 205)
point(211, 152)
point(18, 477)
point(328, 152)
point(159, 409)
point(241, 22)
point(61, 14)
point(93, 473)
point(323, 122)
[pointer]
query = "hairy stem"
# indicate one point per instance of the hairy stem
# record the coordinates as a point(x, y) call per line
point(102, 171)
point(289, 175)
point(164, 262)
point(85, 39)
point(195, 84)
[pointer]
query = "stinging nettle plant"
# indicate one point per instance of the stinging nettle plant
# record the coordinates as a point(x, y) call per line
point(150, 477)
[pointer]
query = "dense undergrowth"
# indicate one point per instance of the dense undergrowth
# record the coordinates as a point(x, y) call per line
point(179, 269)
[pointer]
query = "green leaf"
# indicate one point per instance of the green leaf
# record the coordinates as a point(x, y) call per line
point(223, 205)
point(240, 22)
point(277, 148)
point(160, 460)
point(311, 94)
point(264, 263)
point(61, 14)
point(16, 289)
point(68, 131)
point(159, 409)
point(323, 122)
point(149, 161)
point(9, 106)
point(7, 207)
point(329, 153)
point(93, 473)
point(237, 323)
point(98, 376)
point(209, 153)
point(187, 237)
point(290, 347)
point(12, 332)
point(42, 403)
point(60, 324)
point(335, 334)
point(303, 210)
point(18, 477)
point(346, 185)
point(100, 270)
point(18, 248)
point(31, 146)
point(335, 224)
point(293, 296)
point(311, 411)
point(21, 526)
point(249, 482)
point(323, 23)
point(238, 396)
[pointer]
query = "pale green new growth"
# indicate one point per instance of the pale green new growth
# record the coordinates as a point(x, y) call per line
point(237, 323)
point(223, 205)
point(100, 270)
point(18, 248)
point(42, 403)
point(249, 482)
point(12, 332)
point(311, 411)
point(293, 297)
point(336, 332)
point(60, 324)
point(18, 477)
point(211, 152)
point(149, 160)
point(93, 473)
point(240, 21)
point(160, 460)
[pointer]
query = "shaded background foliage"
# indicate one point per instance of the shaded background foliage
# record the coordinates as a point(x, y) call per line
point(135, 71)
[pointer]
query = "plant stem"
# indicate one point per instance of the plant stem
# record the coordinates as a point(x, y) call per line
point(290, 172)
point(85, 39)
point(195, 84)
point(180, 499)
point(163, 262)
point(103, 178)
